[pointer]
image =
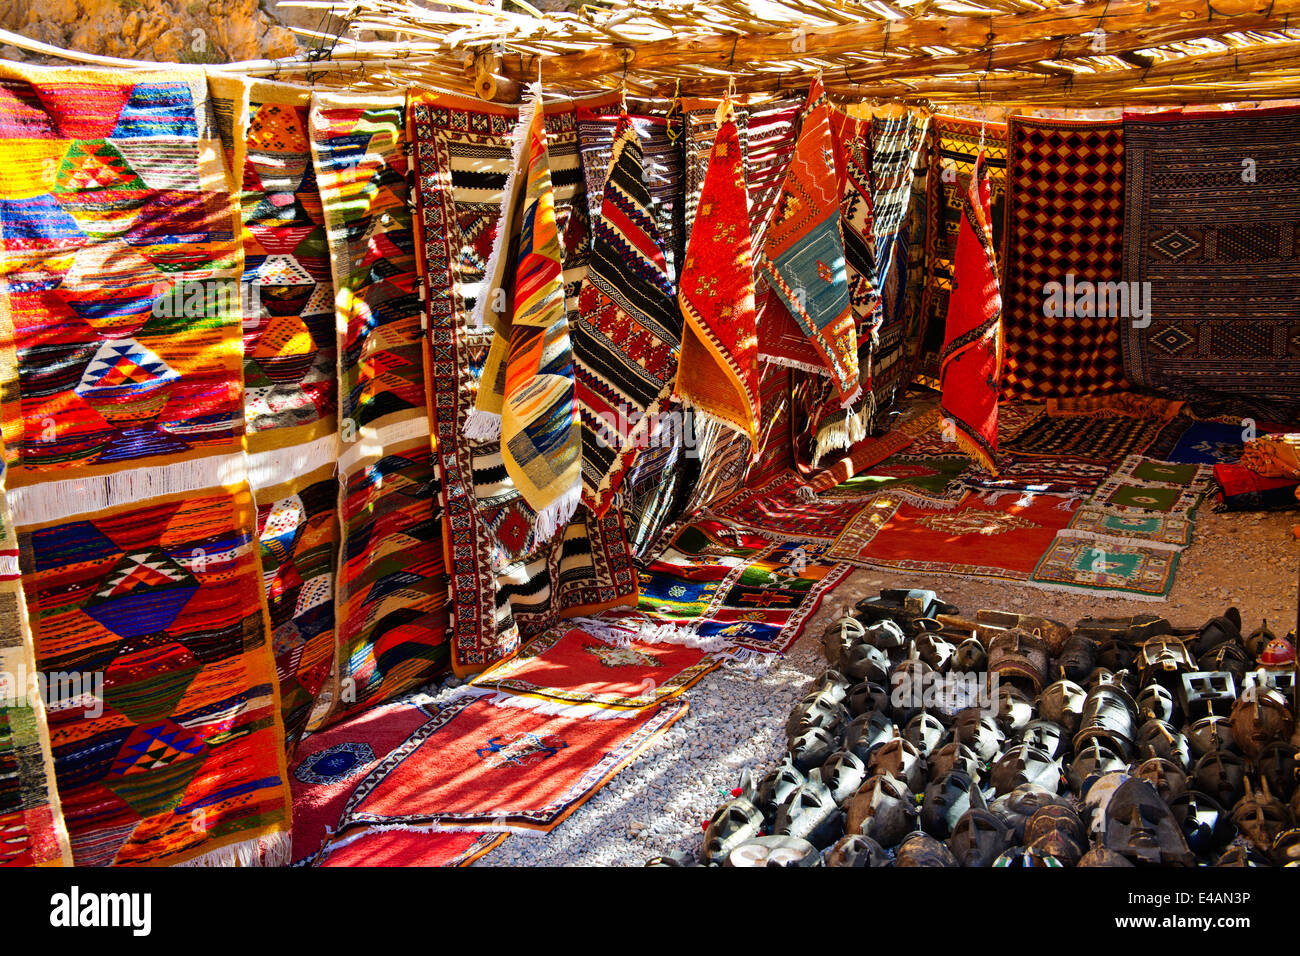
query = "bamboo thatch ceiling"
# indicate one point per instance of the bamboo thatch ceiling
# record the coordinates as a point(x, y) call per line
point(1039, 52)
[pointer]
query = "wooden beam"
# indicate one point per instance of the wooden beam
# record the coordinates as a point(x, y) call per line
point(1003, 57)
point(1205, 68)
point(1070, 20)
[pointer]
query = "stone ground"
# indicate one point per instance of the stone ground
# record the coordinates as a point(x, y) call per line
point(736, 721)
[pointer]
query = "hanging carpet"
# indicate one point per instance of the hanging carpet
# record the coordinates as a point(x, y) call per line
point(392, 601)
point(1064, 230)
point(127, 477)
point(290, 378)
point(1211, 202)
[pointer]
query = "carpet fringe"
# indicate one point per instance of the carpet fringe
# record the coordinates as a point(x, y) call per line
point(57, 500)
point(555, 517)
point(271, 850)
point(481, 425)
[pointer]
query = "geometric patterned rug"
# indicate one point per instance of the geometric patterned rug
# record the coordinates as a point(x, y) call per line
point(1210, 224)
point(1065, 225)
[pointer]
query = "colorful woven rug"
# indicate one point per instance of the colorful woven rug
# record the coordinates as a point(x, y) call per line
point(975, 538)
point(127, 481)
point(329, 764)
point(376, 846)
point(1214, 238)
point(776, 436)
point(665, 175)
point(628, 332)
point(1148, 485)
point(769, 137)
point(896, 142)
point(700, 119)
point(462, 152)
point(32, 831)
point(1101, 522)
point(290, 384)
point(184, 751)
point(1072, 477)
point(1096, 438)
point(922, 479)
point(953, 145)
point(1108, 567)
point(567, 671)
point(392, 589)
point(717, 373)
point(742, 588)
point(970, 366)
point(526, 395)
point(804, 248)
point(1065, 229)
point(477, 766)
point(777, 510)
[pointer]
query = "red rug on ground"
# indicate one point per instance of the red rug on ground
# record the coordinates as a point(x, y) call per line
point(567, 671)
point(376, 847)
point(476, 765)
point(1003, 540)
point(328, 765)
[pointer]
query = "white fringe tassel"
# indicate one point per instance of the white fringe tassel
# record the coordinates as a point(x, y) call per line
point(273, 850)
point(555, 516)
point(481, 425)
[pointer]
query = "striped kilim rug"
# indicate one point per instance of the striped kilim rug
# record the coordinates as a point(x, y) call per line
point(392, 602)
point(290, 378)
point(1211, 203)
point(503, 583)
point(128, 481)
point(1065, 225)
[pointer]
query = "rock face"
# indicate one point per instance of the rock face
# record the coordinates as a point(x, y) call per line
point(186, 31)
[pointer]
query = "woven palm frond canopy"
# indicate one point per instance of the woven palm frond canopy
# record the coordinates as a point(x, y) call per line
point(1009, 52)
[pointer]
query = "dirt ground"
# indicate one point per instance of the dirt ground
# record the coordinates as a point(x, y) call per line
point(1247, 560)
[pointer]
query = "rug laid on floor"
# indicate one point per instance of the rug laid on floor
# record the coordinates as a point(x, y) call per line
point(462, 154)
point(290, 381)
point(376, 846)
point(778, 510)
point(717, 372)
point(976, 538)
point(953, 145)
point(936, 481)
point(127, 477)
point(568, 671)
point(1214, 237)
point(477, 766)
point(1109, 567)
point(329, 764)
point(1124, 540)
point(740, 587)
point(1203, 443)
point(629, 329)
point(32, 831)
point(392, 587)
point(970, 365)
point(1096, 438)
point(1064, 232)
point(1073, 477)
